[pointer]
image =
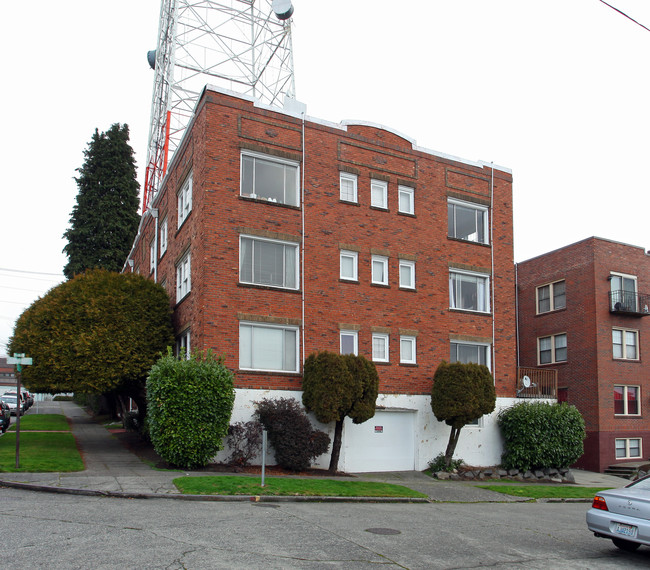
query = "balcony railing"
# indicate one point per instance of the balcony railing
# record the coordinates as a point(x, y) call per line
point(629, 303)
point(536, 383)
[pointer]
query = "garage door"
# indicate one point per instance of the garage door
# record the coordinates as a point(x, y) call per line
point(385, 442)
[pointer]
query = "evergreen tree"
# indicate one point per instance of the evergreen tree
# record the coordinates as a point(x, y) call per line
point(105, 219)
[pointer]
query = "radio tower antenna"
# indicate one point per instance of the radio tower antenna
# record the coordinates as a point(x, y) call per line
point(241, 45)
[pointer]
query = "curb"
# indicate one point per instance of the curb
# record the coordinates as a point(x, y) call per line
point(215, 498)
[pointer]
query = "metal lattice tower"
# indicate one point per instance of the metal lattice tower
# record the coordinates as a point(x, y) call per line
point(241, 45)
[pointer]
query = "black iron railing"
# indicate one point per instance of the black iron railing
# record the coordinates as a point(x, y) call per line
point(629, 302)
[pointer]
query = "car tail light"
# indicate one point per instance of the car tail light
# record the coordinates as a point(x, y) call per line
point(599, 503)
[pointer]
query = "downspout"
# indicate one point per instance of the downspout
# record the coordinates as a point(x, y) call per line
point(302, 239)
point(154, 213)
point(494, 367)
point(517, 312)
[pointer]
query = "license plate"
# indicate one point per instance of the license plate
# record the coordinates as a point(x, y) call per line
point(625, 529)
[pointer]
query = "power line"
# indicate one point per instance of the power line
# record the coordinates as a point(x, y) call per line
point(624, 14)
point(31, 272)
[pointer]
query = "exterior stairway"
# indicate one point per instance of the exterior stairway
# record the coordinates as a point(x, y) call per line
point(624, 470)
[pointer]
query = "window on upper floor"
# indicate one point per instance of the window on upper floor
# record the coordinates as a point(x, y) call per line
point(185, 200)
point(406, 200)
point(628, 448)
point(273, 348)
point(269, 178)
point(466, 352)
point(163, 236)
point(348, 187)
point(552, 349)
point(467, 221)
point(268, 262)
point(551, 297)
point(627, 401)
point(469, 291)
point(407, 349)
point(152, 256)
point(625, 344)
point(349, 342)
point(380, 347)
point(349, 265)
point(623, 292)
point(379, 194)
point(406, 274)
point(379, 270)
point(183, 277)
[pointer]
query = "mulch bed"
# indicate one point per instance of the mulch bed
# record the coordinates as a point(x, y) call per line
point(144, 449)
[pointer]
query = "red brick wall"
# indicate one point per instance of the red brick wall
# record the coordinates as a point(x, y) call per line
point(590, 372)
point(219, 215)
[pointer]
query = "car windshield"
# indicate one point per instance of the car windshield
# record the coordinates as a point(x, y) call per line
point(9, 399)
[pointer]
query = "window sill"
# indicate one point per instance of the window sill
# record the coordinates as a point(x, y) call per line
point(379, 209)
point(267, 287)
point(266, 202)
point(629, 416)
point(380, 285)
point(381, 363)
point(409, 364)
point(348, 202)
point(182, 224)
point(409, 289)
point(268, 372)
point(459, 240)
point(178, 303)
point(407, 214)
point(350, 281)
point(470, 312)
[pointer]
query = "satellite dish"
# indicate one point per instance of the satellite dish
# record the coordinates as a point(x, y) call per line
point(526, 381)
point(151, 58)
point(283, 9)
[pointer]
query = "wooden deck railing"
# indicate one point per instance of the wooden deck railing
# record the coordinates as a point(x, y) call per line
point(542, 383)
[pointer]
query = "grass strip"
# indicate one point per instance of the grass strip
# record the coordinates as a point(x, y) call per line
point(40, 452)
point(546, 491)
point(287, 486)
point(42, 422)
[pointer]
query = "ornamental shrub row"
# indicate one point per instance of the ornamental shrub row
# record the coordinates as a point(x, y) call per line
point(539, 435)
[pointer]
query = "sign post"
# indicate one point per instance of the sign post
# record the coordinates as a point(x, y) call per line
point(19, 360)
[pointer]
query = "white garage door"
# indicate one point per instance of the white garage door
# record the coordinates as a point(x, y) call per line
point(385, 442)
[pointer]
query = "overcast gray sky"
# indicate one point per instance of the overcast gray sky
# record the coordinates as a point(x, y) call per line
point(557, 91)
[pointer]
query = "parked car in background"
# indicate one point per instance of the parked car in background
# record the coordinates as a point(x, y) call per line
point(5, 416)
point(623, 515)
point(15, 405)
point(23, 401)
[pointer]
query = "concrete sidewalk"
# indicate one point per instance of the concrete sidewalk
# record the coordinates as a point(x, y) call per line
point(113, 470)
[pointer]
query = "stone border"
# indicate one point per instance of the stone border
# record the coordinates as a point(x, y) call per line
point(548, 475)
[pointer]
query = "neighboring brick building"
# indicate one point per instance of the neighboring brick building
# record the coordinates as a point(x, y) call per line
point(7, 376)
point(581, 312)
point(364, 262)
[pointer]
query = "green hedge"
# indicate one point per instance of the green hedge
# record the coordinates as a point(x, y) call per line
point(539, 435)
point(189, 407)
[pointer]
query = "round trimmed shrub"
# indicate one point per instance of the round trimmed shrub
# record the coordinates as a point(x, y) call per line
point(189, 407)
point(539, 435)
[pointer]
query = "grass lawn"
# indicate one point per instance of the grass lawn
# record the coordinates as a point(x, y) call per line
point(546, 491)
point(40, 452)
point(42, 422)
point(234, 485)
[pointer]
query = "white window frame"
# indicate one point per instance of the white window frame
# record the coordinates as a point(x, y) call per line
point(247, 361)
point(379, 261)
point(163, 236)
point(185, 199)
point(183, 342)
point(286, 283)
point(628, 304)
point(152, 256)
point(552, 299)
point(624, 345)
point(348, 194)
point(354, 335)
point(486, 347)
point(478, 209)
point(625, 400)
point(408, 358)
point(379, 194)
point(277, 161)
point(553, 340)
point(626, 447)
point(456, 277)
point(407, 193)
point(183, 276)
point(354, 257)
point(403, 265)
point(380, 344)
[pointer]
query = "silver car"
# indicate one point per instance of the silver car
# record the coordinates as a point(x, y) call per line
point(623, 515)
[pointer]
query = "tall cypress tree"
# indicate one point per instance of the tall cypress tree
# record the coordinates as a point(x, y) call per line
point(105, 219)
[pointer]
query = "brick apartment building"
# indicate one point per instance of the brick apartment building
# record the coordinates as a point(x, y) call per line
point(392, 251)
point(581, 311)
